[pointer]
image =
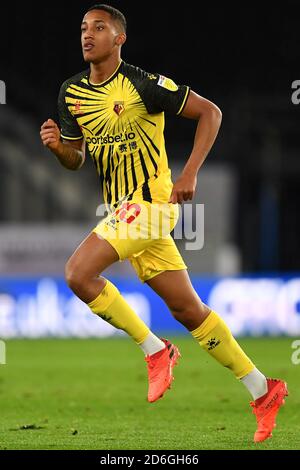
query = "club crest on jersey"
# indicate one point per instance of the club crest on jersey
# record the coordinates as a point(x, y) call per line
point(119, 107)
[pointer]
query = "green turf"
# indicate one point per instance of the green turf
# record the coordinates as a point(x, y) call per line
point(91, 394)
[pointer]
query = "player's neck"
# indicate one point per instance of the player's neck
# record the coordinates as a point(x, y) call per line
point(101, 71)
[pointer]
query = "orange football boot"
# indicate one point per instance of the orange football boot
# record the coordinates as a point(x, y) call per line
point(266, 408)
point(160, 370)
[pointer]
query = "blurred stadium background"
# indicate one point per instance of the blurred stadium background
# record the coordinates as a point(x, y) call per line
point(242, 57)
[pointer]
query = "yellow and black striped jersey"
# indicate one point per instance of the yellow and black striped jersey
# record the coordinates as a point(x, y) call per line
point(122, 123)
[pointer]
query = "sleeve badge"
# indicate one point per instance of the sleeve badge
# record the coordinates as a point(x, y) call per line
point(167, 83)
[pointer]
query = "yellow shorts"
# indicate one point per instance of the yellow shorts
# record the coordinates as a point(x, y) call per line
point(140, 232)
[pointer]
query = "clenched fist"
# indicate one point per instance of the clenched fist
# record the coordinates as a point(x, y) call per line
point(50, 135)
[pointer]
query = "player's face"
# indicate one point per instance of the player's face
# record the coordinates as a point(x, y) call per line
point(99, 36)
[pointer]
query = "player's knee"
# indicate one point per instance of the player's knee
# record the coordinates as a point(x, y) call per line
point(73, 277)
point(190, 313)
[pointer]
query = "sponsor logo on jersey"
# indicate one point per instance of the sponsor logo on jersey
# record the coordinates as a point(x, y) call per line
point(110, 139)
point(167, 83)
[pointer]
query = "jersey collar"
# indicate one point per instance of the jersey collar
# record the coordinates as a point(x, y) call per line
point(107, 80)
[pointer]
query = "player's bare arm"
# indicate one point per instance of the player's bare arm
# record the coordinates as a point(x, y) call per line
point(70, 154)
point(209, 119)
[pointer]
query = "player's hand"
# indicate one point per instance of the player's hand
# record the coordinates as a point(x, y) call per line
point(184, 188)
point(50, 134)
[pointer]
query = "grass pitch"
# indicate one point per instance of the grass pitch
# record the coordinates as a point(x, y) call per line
point(91, 394)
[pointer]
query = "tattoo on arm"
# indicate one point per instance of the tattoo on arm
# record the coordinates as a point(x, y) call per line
point(70, 157)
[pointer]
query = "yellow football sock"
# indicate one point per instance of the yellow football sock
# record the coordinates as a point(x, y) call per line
point(215, 337)
point(113, 308)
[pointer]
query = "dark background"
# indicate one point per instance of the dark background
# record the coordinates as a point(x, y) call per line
point(244, 57)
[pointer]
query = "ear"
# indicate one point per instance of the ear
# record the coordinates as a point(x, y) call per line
point(120, 39)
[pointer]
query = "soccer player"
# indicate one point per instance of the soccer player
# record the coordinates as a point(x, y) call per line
point(117, 111)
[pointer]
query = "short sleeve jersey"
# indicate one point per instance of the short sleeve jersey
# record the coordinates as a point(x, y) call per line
point(122, 123)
